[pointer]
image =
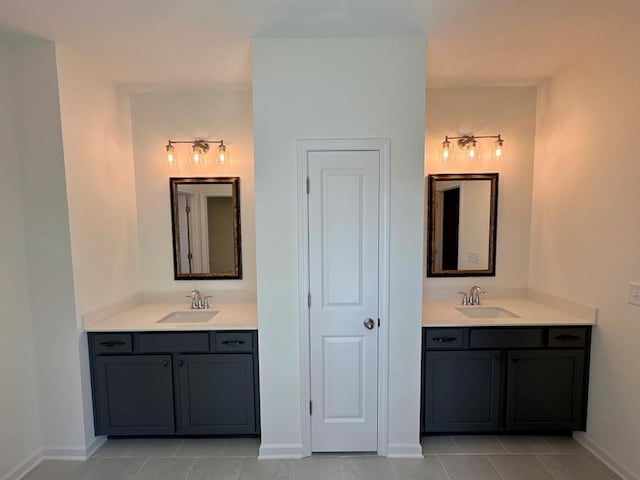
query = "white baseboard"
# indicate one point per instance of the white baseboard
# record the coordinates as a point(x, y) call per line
point(24, 468)
point(95, 445)
point(603, 456)
point(77, 454)
point(404, 450)
point(279, 451)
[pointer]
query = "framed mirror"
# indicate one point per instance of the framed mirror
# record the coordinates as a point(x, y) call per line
point(205, 214)
point(462, 225)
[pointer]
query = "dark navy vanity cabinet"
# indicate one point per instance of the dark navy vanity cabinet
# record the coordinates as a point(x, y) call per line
point(504, 379)
point(175, 383)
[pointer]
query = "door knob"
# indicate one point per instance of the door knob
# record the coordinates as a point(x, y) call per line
point(369, 323)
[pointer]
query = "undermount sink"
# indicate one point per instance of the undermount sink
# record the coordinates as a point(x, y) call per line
point(486, 312)
point(189, 317)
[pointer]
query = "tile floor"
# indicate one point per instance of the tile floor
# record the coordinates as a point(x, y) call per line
point(445, 458)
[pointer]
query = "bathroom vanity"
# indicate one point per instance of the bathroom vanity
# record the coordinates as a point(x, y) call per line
point(164, 370)
point(486, 371)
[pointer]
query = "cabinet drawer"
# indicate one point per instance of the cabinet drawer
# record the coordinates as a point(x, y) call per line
point(444, 338)
point(567, 337)
point(506, 337)
point(234, 342)
point(112, 343)
point(182, 342)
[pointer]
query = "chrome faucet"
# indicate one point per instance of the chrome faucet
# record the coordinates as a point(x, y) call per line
point(474, 295)
point(198, 302)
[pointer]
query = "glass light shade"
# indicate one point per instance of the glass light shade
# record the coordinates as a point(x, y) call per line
point(446, 152)
point(172, 160)
point(197, 157)
point(499, 150)
point(222, 158)
point(473, 152)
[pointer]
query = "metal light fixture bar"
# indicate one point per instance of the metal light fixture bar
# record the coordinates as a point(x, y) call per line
point(200, 148)
point(468, 143)
point(464, 140)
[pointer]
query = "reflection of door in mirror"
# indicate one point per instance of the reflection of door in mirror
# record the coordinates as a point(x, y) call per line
point(448, 214)
point(206, 227)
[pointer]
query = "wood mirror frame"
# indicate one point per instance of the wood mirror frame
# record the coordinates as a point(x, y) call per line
point(432, 237)
point(235, 271)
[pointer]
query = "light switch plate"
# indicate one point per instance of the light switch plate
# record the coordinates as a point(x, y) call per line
point(633, 296)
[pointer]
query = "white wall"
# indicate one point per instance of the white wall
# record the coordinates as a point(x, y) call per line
point(489, 111)
point(98, 161)
point(48, 247)
point(336, 88)
point(585, 230)
point(20, 436)
point(185, 115)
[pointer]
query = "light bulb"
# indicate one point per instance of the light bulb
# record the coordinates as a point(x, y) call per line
point(446, 152)
point(199, 150)
point(472, 151)
point(222, 159)
point(172, 161)
point(499, 151)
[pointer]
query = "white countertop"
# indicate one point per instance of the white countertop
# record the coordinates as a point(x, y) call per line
point(143, 318)
point(442, 313)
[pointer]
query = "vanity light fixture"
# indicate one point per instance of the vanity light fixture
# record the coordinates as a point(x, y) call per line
point(199, 149)
point(469, 145)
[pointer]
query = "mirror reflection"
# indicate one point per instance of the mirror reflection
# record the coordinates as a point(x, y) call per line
point(206, 228)
point(462, 224)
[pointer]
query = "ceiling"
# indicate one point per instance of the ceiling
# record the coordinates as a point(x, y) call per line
point(208, 42)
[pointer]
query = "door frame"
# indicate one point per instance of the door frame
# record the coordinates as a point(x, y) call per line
point(304, 147)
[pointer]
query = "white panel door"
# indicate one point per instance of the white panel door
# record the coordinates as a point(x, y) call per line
point(343, 279)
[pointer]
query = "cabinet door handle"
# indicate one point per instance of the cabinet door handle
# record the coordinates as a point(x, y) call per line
point(234, 343)
point(112, 344)
point(180, 363)
point(515, 358)
point(444, 339)
point(165, 363)
point(567, 338)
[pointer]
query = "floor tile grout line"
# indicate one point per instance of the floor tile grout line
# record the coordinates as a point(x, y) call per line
point(493, 465)
point(503, 444)
point(175, 453)
point(126, 452)
point(544, 465)
point(140, 468)
point(186, 476)
point(548, 444)
point(444, 468)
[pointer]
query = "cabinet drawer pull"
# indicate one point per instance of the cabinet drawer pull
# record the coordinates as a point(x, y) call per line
point(444, 339)
point(567, 338)
point(515, 358)
point(180, 363)
point(234, 343)
point(112, 344)
point(165, 363)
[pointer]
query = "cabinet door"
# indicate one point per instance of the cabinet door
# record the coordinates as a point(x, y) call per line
point(545, 390)
point(216, 394)
point(462, 391)
point(134, 395)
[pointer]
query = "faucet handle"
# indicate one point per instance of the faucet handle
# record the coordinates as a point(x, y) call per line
point(206, 301)
point(465, 298)
point(194, 304)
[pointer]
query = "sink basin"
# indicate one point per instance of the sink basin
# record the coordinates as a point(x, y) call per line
point(486, 312)
point(189, 317)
